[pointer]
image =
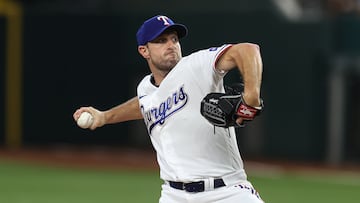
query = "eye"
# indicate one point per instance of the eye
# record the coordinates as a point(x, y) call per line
point(159, 40)
point(175, 39)
point(162, 40)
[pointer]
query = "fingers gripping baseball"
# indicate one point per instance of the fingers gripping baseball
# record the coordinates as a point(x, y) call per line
point(98, 117)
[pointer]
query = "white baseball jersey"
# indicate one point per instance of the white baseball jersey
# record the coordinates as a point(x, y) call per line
point(188, 147)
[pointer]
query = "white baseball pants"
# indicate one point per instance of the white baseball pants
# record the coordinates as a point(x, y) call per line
point(241, 193)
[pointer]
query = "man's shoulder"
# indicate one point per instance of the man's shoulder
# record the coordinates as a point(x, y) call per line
point(145, 82)
point(209, 50)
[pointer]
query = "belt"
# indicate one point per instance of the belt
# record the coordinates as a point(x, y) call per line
point(195, 186)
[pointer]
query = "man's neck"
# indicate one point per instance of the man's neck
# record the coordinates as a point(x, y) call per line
point(158, 76)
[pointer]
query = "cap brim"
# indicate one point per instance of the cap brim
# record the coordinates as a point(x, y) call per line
point(180, 29)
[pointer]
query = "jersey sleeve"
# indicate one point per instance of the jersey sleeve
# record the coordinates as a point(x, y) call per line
point(203, 65)
point(219, 52)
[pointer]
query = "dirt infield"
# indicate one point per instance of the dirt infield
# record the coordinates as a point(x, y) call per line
point(135, 159)
point(94, 157)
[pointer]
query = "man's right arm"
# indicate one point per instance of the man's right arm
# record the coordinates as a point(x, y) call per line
point(126, 111)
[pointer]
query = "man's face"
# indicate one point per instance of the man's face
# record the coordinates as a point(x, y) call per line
point(164, 52)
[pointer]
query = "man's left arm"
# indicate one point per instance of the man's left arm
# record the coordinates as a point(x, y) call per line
point(247, 58)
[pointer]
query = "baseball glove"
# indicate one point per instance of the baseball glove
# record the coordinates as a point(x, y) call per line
point(222, 109)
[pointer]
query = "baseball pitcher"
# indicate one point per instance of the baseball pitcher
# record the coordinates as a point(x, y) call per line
point(189, 116)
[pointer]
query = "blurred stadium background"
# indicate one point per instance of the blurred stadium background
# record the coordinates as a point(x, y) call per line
point(58, 55)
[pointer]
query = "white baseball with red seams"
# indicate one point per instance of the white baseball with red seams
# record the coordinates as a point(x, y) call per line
point(85, 120)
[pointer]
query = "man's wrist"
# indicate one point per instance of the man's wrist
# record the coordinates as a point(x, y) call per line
point(251, 99)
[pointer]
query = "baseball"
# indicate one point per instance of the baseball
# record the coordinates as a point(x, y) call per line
point(85, 120)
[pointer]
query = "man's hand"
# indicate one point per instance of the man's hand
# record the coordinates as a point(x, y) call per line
point(228, 109)
point(99, 116)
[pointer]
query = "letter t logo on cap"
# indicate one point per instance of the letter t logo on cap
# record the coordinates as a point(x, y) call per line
point(164, 19)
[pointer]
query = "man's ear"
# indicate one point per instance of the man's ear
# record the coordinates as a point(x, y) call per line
point(143, 51)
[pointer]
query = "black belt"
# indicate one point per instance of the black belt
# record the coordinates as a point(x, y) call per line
point(195, 186)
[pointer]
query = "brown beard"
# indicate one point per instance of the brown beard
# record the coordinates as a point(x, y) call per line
point(167, 65)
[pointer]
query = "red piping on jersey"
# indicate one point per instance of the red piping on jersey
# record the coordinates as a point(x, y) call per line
point(221, 53)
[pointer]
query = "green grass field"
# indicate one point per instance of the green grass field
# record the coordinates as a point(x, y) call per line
point(25, 183)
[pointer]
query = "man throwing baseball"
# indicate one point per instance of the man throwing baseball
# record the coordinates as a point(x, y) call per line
point(196, 146)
